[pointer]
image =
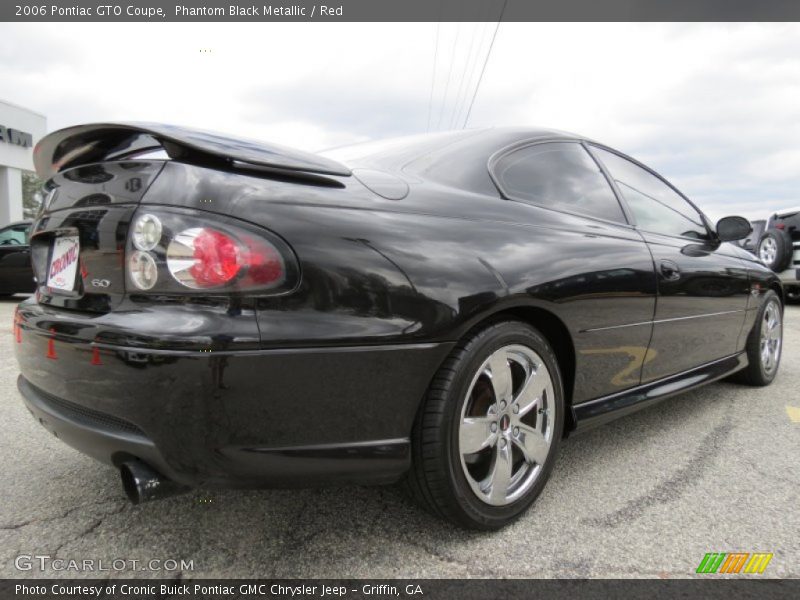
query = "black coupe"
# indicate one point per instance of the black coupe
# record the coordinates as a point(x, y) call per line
point(440, 309)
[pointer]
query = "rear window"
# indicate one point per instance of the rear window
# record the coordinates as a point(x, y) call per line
point(558, 175)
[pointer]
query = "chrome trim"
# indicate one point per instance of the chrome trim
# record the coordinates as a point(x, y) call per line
point(655, 322)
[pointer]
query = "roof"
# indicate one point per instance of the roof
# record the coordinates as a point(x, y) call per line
point(25, 108)
point(787, 211)
point(393, 151)
point(432, 156)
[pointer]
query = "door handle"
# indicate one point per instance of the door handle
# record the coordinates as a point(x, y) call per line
point(670, 270)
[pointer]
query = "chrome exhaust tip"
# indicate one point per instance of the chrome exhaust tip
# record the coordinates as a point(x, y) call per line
point(143, 484)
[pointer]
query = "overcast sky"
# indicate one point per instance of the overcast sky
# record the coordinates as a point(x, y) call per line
point(714, 107)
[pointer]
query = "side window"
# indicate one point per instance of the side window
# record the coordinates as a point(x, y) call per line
point(559, 175)
point(655, 205)
point(16, 235)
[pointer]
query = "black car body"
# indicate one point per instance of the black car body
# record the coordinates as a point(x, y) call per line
point(16, 274)
point(389, 254)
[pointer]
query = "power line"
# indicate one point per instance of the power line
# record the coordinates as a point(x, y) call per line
point(471, 66)
point(433, 78)
point(467, 62)
point(485, 62)
point(449, 76)
point(474, 62)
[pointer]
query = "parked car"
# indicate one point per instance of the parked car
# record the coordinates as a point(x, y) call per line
point(779, 249)
point(16, 273)
point(439, 310)
point(751, 241)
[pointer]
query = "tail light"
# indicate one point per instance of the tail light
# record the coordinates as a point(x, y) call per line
point(204, 257)
point(174, 251)
point(142, 270)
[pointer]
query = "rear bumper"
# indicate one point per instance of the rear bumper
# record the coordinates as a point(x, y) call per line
point(249, 418)
point(102, 437)
point(791, 276)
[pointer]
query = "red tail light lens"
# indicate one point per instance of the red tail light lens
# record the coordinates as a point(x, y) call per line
point(205, 252)
point(264, 263)
point(217, 258)
point(203, 257)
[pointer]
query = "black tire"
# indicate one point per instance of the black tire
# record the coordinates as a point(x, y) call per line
point(793, 296)
point(784, 249)
point(756, 374)
point(437, 479)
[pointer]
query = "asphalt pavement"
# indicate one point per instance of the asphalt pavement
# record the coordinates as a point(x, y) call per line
point(714, 470)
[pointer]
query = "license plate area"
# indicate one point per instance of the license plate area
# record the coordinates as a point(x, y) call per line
point(62, 269)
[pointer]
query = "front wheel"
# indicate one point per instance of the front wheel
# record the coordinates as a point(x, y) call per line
point(764, 344)
point(487, 435)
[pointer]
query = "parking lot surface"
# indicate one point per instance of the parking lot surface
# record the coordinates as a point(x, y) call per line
point(714, 470)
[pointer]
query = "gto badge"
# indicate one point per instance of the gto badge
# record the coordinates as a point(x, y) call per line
point(101, 283)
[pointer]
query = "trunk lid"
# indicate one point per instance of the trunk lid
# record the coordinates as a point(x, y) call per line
point(97, 175)
point(93, 205)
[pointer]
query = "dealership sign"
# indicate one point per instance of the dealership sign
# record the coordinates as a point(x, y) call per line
point(15, 137)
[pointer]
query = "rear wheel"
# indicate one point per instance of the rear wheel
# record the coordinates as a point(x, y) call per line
point(487, 435)
point(764, 344)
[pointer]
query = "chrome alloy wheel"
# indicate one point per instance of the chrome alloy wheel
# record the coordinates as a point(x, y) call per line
point(506, 425)
point(767, 251)
point(771, 338)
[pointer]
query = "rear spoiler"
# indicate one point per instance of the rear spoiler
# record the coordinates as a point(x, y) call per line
point(96, 142)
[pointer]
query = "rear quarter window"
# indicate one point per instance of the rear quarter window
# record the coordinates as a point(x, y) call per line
point(558, 175)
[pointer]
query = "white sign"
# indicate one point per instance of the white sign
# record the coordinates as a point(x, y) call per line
point(64, 263)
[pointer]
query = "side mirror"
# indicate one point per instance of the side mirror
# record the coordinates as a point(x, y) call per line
point(731, 229)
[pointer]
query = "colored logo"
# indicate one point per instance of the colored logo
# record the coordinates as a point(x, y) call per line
point(734, 562)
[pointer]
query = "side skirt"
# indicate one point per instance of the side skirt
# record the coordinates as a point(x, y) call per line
point(588, 415)
point(363, 463)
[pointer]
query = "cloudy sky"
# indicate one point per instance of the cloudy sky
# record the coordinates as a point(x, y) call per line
point(713, 107)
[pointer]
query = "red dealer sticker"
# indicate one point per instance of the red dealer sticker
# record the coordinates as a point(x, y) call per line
point(64, 264)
